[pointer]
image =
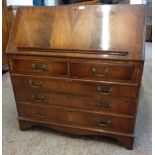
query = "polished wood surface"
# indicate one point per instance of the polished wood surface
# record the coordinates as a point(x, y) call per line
point(71, 28)
point(102, 70)
point(7, 20)
point(81, 69)
point(104, 104)
point(124, 139)
point(4, 33)
point(90, 88)
point(42, 66)
point(63, 76)
point(70, 115)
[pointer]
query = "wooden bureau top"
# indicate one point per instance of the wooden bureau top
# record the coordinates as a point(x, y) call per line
point(101, 31)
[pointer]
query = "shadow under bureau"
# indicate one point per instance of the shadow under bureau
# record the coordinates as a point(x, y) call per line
point(78, 69)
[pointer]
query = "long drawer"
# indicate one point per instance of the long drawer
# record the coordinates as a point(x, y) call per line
point(105, 104)
point(38, 66)
point(103, 70)
point(76, 117)
point(75, 86)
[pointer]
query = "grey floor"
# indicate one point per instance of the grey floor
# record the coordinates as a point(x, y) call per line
point(38, 141)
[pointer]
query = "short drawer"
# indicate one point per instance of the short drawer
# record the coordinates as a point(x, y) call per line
point(76, 117)
point(103, 71)
point(102, 104)
point(38, 66)
point(79, 87)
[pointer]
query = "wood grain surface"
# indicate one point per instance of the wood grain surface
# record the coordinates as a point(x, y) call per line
point(108, 29)
point(78, 69)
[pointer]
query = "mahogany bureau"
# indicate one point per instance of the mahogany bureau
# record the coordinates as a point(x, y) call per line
point(78, 69)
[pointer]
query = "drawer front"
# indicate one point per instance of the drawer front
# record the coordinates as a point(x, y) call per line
point(101, 121)
point(75, 117)
point(38, 83)
point(103, 89)
point(40, 66)
point(102, 71)
point(102, 104)
point(43, 113)
point(89, 88)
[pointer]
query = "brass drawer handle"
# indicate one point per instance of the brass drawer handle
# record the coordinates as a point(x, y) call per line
point(105, 72)
point(35, 84)
point(104, 122)
point(41, 114)
point(71, 110)
point(39, 67)
point(103, 105)
point(104, 90)
point(38, 98)
point(68, 80)
point(93, 70)
point(70, 95)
